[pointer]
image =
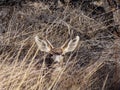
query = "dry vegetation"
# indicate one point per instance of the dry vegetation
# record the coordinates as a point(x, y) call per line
point(94, 65)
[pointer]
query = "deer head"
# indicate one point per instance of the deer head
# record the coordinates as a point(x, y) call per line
point(57, 53)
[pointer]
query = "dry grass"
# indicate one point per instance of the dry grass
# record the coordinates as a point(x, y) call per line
point(93, 66)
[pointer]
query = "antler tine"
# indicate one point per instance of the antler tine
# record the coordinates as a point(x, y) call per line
point(65, 43)
point(69, 37)
point(49, 42)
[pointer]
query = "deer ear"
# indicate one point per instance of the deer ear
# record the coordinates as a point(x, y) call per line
point(71, 45)
point(43, 45)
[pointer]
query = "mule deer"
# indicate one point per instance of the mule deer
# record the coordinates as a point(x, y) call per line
point(57, 53)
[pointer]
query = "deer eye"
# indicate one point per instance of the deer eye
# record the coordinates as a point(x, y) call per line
point(49, 55)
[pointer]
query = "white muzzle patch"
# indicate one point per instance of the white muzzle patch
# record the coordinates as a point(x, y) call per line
point(57, 58)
